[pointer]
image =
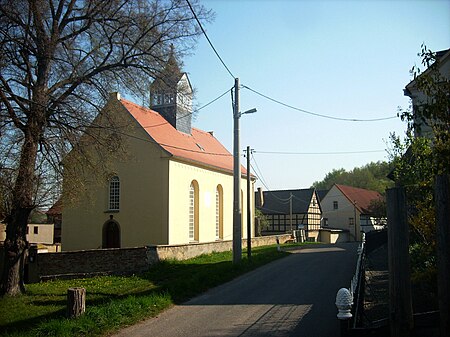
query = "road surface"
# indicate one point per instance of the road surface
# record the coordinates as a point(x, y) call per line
point(293, 296)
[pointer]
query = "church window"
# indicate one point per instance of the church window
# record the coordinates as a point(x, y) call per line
point(114, 193)
point(193, 211)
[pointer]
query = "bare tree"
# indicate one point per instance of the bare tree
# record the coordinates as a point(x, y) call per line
point(58, 61)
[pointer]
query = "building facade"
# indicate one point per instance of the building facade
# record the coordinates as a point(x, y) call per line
point(348, 208)
point(280, 206)
point(172, 184)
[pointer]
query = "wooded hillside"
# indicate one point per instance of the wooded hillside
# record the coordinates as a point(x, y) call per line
point(372, 176)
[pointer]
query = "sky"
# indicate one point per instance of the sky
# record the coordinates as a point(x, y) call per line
point(344, 59)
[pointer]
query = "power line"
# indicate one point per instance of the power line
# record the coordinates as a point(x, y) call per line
point(317, 114)
point(215, 99)
point(209, 41)
point(151, 140)
point(261, 178)
point(170, 146)
point(318, 153)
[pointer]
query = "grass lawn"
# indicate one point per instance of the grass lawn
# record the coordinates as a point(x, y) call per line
point(115, 301)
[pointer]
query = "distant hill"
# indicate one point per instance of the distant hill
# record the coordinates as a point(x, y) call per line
point(371, 177)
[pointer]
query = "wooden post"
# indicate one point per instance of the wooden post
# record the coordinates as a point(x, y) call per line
point(442, 199)
point(400, 303)
point(76, 299)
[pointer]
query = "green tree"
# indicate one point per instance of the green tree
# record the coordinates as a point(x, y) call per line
point(418, 157)
point(372, 176)
point(261, 221)
point(58, 61)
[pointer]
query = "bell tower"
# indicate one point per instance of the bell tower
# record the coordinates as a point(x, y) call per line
point(171, 95)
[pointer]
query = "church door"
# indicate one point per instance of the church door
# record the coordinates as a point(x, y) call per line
point(111, 235)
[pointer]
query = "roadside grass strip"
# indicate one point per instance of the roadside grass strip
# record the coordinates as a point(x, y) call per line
point(113, 302)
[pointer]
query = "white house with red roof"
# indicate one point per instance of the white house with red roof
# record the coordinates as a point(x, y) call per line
point(174, 185)
point(349, 208)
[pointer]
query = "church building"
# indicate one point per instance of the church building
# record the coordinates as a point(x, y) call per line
point(171, 183)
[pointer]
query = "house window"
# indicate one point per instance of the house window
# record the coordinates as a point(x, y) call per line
point(36, 230)
point(351, 221)
point(219, 213)
point(114, 193)
point(193, 211)
point(28, 230)
point(335, 205)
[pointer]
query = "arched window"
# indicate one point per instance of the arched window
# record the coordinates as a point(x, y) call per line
point(193, 211)
point(219, 212)
point(114, 193)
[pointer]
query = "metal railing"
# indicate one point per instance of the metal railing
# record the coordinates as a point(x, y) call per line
point(350, 302)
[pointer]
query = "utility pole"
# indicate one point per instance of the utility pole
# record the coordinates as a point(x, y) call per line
point(354, 211)
point(237, 211)
point(290, 211)
point(249, 211)
point(237, 228)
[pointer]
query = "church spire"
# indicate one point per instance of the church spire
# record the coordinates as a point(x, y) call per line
point(171, 95)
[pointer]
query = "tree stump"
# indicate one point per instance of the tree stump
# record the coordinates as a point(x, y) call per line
point(76, 299)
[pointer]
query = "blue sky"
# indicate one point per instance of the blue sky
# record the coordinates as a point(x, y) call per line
point(347, 59)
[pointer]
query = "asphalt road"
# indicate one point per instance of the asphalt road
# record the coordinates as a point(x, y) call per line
point(293, 296)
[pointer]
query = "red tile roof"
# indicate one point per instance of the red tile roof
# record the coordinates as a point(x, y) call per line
point(200, 146)
point(361, 196)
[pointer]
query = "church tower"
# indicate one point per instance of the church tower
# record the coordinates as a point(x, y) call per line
point(171, 95)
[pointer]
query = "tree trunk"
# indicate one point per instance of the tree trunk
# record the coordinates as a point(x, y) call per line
point(16, 248)
point(16, 245)
point(76, 299)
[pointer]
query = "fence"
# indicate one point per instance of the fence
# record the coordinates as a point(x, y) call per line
point(350, 302)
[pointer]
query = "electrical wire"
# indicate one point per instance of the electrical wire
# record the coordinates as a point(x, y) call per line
point(314, 113)
point(211, 102)
point(152, 141)
point(168, 145)
point(261, 178)
point(318, 153)
point(209, 41)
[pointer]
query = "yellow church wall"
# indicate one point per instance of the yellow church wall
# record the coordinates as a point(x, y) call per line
point(181, 176)
point(142, 216)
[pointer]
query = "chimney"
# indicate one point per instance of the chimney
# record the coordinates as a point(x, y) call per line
point(260, 198)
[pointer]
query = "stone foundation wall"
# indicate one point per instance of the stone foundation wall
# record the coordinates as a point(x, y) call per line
point(86, 263)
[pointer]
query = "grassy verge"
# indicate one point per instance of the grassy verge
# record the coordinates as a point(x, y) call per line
point(113, 302)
